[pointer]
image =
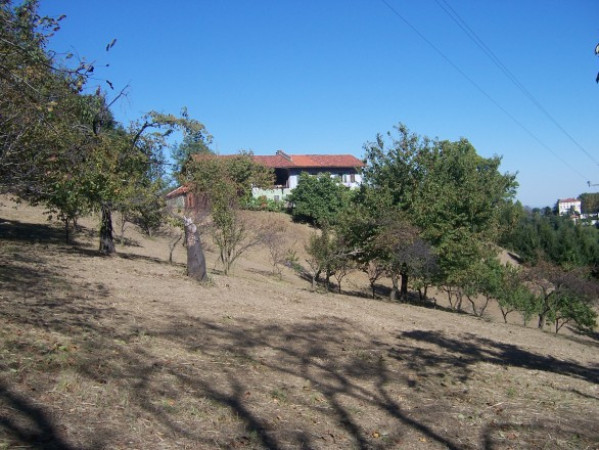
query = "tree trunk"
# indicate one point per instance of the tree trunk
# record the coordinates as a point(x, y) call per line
point(171, 246)
point(106, 238)
point(196, 263)
point(403, 293)
point(394, 285)
point(67, 236)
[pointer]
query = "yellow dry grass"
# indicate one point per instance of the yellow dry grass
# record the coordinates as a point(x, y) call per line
point(126, 352)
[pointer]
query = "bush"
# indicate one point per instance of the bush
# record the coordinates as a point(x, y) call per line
point(264, 204)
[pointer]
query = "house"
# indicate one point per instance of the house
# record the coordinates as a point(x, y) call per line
point(567, 205)
point(287, 169)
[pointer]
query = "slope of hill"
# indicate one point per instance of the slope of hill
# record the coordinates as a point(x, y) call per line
point(127, 352)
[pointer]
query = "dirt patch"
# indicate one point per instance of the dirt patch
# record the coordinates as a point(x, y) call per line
point(126, 352)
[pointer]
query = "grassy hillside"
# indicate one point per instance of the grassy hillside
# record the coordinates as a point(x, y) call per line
point(125, 352)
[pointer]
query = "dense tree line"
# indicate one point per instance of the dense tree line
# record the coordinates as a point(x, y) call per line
point(541, 235)
point(434, 212)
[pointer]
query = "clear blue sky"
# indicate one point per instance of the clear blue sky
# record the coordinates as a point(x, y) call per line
point(325, 76)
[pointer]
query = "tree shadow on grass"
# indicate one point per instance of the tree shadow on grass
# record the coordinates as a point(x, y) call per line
point(28, 424)
point(348, 379)
point(340, 385)
point(14, 230)
point(470, 349)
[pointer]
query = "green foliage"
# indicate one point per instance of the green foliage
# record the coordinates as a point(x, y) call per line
point(566, 306)
point(229, 233)
point(196, 141)
point(507, 287)
point(39, 100)
point(327, 254)
point(318, 199)
point(64, 149)
point(445, 189)
point(563, 296)
point(264, 204)
point(540, 236)
point(589, 202)
point(230, 177)
point(226, 183)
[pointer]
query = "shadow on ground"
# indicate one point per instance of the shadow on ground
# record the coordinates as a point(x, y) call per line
point(189, 381)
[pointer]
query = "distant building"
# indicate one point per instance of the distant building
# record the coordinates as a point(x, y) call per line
point(287, 168)
point(567, 205)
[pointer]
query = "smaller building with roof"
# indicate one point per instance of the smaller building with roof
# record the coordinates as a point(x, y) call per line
point(569, 205)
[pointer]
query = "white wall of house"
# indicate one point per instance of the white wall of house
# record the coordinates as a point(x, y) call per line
point(350, 180)
point(564, 206)
point(275, 194)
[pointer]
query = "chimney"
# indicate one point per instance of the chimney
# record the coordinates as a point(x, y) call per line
point(283, 154)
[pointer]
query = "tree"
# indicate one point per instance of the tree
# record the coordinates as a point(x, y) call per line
point(318, 199)
point(563, 296)
point(507, 287)
point(196, 263)
point(342, 263)
point(31, 90)
point(445, 189)
point(589, 202)
point(274, 238)
point(40, 104)
point(195, 142)
point(397, 240)
point(321, 249)
point(556, 239)
point(224, 183)
point(122, 166)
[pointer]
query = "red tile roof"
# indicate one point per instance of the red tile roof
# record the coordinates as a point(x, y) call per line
point(568, 200)
point(177, 192)
point(282, 160)
point(279, 161)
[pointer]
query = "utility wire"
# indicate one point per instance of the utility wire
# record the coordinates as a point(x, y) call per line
point(480, 89)
point(445, 6)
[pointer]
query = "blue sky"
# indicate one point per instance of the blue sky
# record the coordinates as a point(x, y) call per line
point(325, 76)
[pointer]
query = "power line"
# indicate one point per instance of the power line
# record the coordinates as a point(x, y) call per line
point(445, 6)
point(480, 89)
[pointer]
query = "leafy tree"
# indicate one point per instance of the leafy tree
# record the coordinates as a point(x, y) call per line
point(320, 249)
point(539, 236)
point(342, 264)
point(121, 169)
point(40, 104)
point(195, 142)
point(507, 287)
point(400, 242)
point(445, 189)
point(318, 199)
point(360, 227)
point(274, 238)
point(563, 296)
point(589, 202)
point(328, 254)
point(224, 183)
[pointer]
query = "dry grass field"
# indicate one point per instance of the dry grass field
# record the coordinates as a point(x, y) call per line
point(126, 352)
